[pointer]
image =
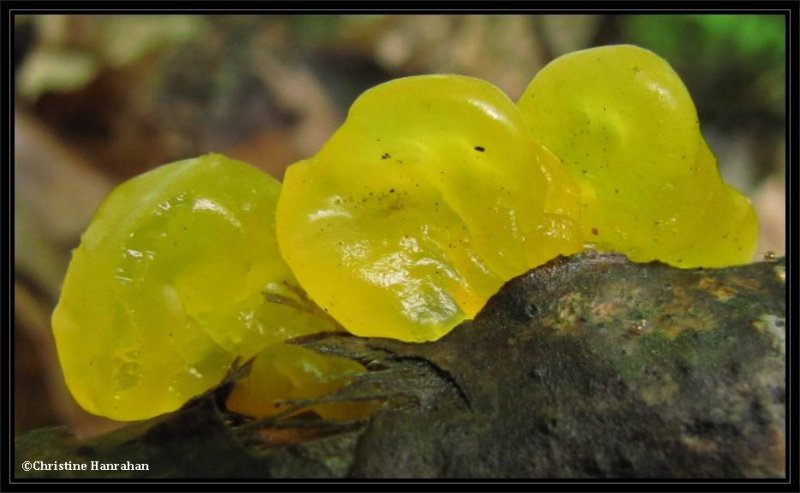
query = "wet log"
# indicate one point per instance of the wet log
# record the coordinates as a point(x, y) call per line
point(587, 367)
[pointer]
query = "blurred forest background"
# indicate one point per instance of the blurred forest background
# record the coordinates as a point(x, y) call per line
point(102, 98)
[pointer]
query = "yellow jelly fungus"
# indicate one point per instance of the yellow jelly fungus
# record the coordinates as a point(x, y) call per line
point(168, 287)
point(288, 372)
point(434, 192)
point(625, 127)
point(426, 200)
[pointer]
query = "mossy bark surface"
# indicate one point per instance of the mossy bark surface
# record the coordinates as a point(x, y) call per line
point(587, 367)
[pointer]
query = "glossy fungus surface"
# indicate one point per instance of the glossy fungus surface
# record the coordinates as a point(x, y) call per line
point(423, 203)
point(434, 192)
point(284, 375)
point(169, 285)
point(625, 127)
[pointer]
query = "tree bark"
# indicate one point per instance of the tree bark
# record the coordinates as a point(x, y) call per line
point(587, 367)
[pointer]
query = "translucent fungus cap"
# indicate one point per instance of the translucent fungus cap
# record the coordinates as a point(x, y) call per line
point(168, 287)
point(625, 127)
point(423, 203)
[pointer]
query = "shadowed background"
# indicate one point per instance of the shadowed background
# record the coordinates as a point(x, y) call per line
point(100, 99)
